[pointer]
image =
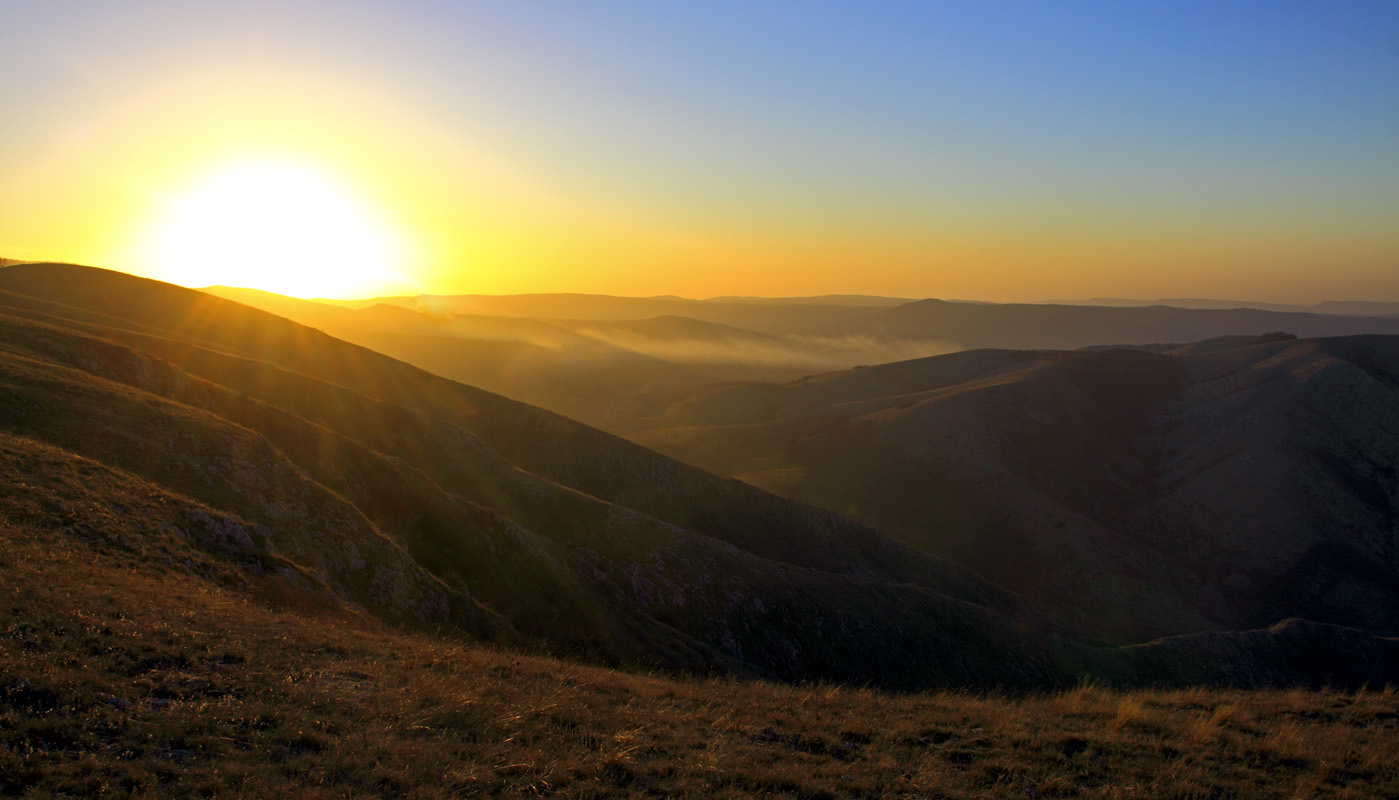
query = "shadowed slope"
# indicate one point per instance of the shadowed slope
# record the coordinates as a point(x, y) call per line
point(1220, 485)
point(140, 666)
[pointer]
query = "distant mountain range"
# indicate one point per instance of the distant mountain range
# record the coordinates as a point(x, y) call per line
point(618, 362)
point(181, 431)
point(1364, 308)
point(585, 306)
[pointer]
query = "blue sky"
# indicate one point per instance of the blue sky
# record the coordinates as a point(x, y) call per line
point(1036, 143)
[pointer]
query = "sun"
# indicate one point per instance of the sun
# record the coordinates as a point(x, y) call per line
point(277, 226)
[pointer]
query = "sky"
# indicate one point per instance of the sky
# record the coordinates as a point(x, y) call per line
point(1003, 151)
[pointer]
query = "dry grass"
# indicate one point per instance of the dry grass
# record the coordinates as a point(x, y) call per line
point(118, 680)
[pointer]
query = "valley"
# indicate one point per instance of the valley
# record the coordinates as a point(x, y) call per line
point(1145, 492)
point(220, 523)
point(823, 401)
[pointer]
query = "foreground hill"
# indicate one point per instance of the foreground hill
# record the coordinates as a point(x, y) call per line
point(125, 671)
point(255, 451)
point(1221, 485)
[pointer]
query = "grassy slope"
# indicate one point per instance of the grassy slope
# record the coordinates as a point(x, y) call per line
point(1227, 484)
point(549, 548)
point(126, 671)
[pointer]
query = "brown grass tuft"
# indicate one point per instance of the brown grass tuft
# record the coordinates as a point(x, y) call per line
point(119, 680)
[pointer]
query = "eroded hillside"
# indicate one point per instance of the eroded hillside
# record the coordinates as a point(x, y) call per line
point(1227, 484)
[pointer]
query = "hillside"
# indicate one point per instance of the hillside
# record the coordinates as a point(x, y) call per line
point(414, 496)
point(1222, 485)
point(255, 450)
point(132, 672)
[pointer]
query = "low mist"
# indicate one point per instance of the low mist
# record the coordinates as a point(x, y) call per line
point(792, 352)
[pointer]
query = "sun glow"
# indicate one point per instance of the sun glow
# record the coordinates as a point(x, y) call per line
point(276, 226)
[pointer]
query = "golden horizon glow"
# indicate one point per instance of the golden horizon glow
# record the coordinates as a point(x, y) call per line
point(274, 225)
point(500, 149)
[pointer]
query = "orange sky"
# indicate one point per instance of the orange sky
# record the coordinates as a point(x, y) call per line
point(644, 152)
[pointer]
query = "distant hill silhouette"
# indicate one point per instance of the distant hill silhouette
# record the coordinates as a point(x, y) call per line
point(1070, 327)
point(1351, 307)
point(607, 361)
point(619, 362)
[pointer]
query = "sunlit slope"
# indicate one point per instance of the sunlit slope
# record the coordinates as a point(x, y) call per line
point(1226, 484)
point(142, 663)
point(580, 541)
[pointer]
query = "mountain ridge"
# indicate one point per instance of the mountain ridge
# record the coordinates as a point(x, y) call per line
point(619, 363)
